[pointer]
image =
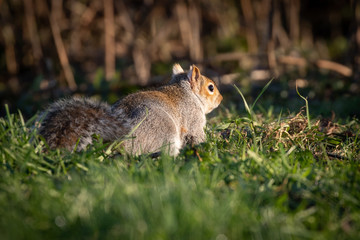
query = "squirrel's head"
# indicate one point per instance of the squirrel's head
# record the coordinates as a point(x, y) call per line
point(203, 87)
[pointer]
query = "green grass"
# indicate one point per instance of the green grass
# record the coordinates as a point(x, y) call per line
point(260, 177)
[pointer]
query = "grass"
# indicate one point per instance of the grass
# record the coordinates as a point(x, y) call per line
point(260, 176)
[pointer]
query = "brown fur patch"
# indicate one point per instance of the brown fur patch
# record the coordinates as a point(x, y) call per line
point(183, 130)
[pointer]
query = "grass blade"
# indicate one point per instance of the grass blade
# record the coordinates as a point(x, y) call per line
point(306, 105)
point(261, 93)
point(244, 100)
point(11, 125)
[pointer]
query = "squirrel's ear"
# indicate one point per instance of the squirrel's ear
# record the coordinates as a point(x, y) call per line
point(193, 74)
point(177, 69)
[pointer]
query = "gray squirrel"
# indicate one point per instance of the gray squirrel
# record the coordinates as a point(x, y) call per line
point(166, 118)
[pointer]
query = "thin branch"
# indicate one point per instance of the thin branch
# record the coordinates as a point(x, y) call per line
point(109, 39)
point(251, 37)
point(184, 27)
point(337, 67)
point(10, 55)
point(195, 46)
point(298, 61)
point(322, 64)
point(32, 29)
point(61, 50)
point(293, 7)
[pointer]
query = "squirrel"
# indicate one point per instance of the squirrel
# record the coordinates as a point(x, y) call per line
point(172, 115)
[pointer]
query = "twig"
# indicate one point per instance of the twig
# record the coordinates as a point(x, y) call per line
point(109, 39)
point(198, 155)
point(354, 49)
point(289, 60)
point(251, 37)
point(322, 64)
point(294, 18)
point(336, 67)
point(10, 56)
point(141, 61)
point(231, 56)
point(33, 33)
point(189, 25)
point(298, 61)
point(184, 26)
point(61, 50)
point(279, 32)
point(307, 107)
point(195, 46)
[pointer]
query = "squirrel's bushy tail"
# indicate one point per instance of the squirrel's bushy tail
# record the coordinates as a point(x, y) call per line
point(71, 120)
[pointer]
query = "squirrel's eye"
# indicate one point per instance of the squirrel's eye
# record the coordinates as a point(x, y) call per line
point(211, 88)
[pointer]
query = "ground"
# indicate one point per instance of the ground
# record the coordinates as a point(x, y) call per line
point(259, 175)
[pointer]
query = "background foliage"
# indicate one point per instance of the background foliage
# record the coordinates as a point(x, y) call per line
point(53, 48)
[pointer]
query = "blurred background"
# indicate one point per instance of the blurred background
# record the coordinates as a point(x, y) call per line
point(108, 48)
